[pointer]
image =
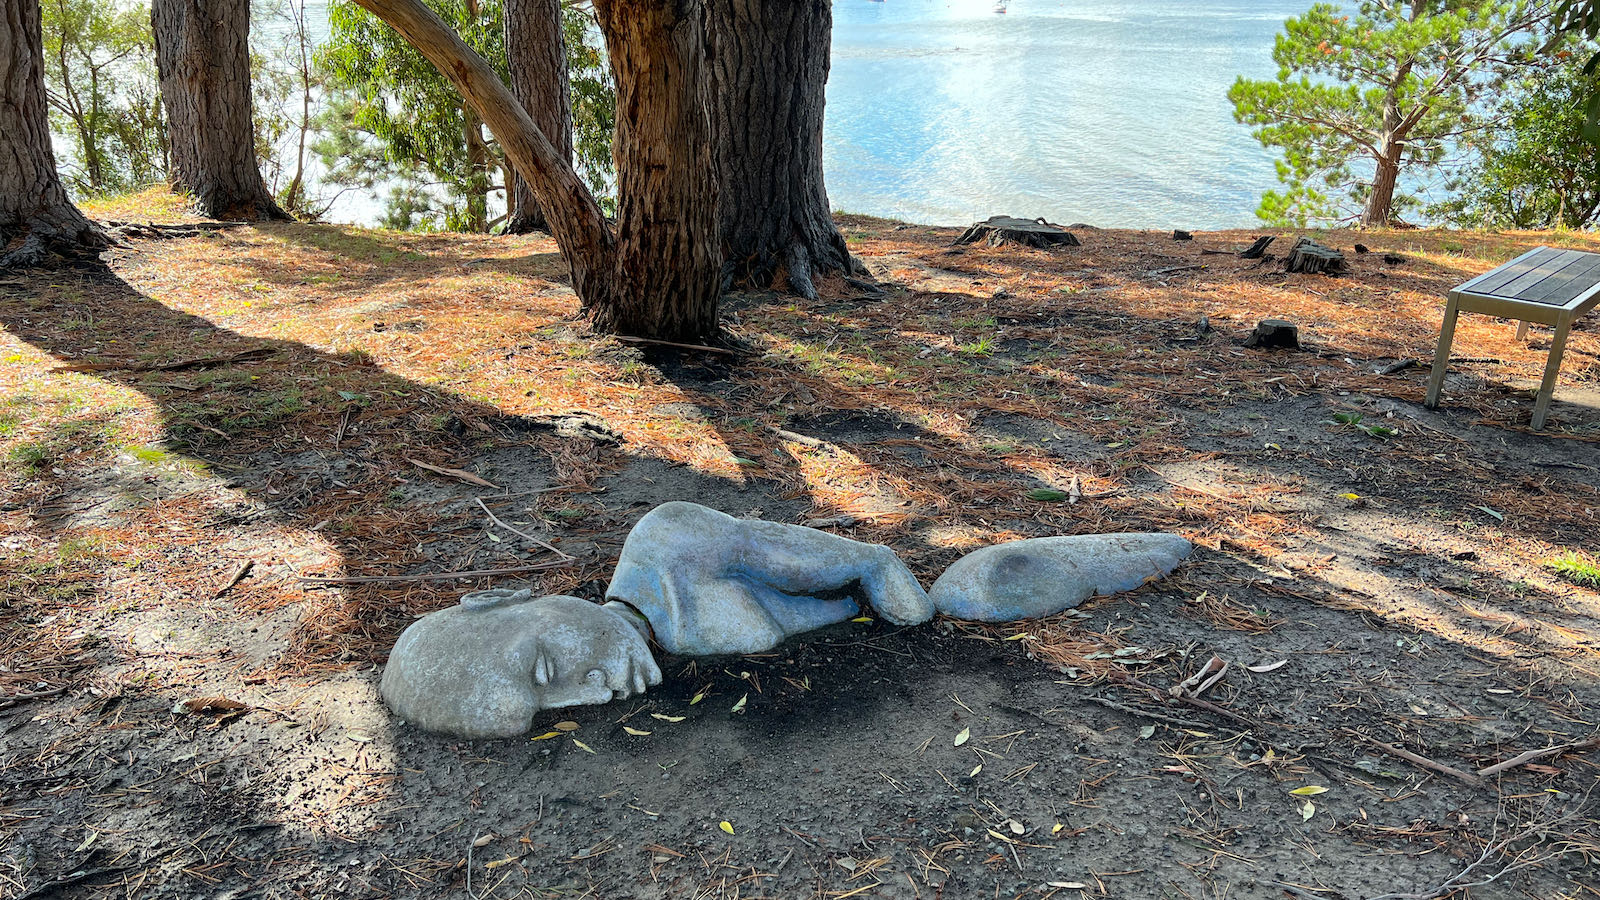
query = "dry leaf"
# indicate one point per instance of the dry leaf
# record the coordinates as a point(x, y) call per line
point(1147, 732)
point(566, 726)
point(1307, 811)
point(739, 707)
point(1057, 828)
point(483, 840)
point(963, 736)
point(725, 825)
point(666, 718)
point(1016, 827)
point(1069, 885)
point(697, 698)
point(1310, 790)
point(1268, 667)
point(209, 706)
point(974, 772)
point(546, 736)
point(582, 746)
point(635, 732)
point(862, 619)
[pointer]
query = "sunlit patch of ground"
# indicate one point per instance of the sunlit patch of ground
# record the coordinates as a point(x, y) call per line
point(186, 440)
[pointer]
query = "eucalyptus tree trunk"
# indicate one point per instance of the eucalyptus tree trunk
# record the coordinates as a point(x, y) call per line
point(37, 221)
point(657, 275)
point(668, 256)
point(767, 78)
point(203, 58)
point(536, 49)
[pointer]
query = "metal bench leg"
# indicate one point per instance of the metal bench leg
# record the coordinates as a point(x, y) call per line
point(1441, 356)
point(1522, 329)
point(1552, 369)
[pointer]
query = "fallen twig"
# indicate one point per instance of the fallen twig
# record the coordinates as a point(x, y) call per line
point(1136, 711)
point(522, 534)
point(1423, 761)
point(1522, 759)
point(238, 575)
point(433, 576)
point(701, 347)
point(462, 474)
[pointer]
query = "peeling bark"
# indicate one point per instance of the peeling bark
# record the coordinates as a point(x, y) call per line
point(38, 224)
point(767, 80)
point(203, 58)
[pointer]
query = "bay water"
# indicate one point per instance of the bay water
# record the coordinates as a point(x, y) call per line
point(1110, 112)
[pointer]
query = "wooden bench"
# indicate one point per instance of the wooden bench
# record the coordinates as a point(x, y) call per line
point(1545, 285)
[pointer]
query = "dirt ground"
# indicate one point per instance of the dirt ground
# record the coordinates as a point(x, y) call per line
point(204, 444)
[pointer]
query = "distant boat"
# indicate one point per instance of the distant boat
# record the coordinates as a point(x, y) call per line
point(1000, 5)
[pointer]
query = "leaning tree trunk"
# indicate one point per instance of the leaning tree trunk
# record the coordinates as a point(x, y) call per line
point(203, 57)
point(37, 221)
point(766, 86)
point(657, 277)
point(537, 51)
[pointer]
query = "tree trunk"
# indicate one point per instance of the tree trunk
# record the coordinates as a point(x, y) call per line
point(657, 277)
point(37, 221)
point(668, 256)
point(477, 198)
point(1380, 200)
point(203, 57)
point(536, 48)
point(767, 76)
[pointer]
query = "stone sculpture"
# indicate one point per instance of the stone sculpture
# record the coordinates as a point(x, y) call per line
point(712, 584)
point(705, 583)
point(483, 668)
point(1043, 576)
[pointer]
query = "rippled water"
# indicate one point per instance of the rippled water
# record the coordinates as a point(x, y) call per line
point(1110, 112)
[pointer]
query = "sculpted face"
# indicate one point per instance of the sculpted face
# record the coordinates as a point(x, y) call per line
point(486, 667)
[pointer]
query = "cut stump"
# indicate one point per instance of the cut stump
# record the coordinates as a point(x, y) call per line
point(1274, 334)
point(1309, 256)
point(999, 230)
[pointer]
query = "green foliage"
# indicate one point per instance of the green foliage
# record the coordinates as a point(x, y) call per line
point(1533, 167)
point(104, 98)
point(393, 120)
point(1385, 88)
point(1578, 569)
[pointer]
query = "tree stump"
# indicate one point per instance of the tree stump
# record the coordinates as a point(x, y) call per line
point(1274, 333)
point(1029, 233)
point(1259, 248)
point(1309, 256)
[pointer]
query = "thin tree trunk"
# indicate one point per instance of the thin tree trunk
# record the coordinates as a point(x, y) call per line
point(668, 255)
point(657, 277)
point(203, 57)
point(767, 80)
point(37, 221)
point(537, 51)
point(478, 170)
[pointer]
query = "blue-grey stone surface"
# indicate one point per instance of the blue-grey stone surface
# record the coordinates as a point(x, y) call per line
point(1043, 576)
point(711, 584)
point(484, 668)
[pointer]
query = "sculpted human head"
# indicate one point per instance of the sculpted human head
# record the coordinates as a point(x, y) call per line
point(484, 668)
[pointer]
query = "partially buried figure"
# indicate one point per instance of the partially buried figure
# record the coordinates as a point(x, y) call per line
point(484, 668)
point(712, 584)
